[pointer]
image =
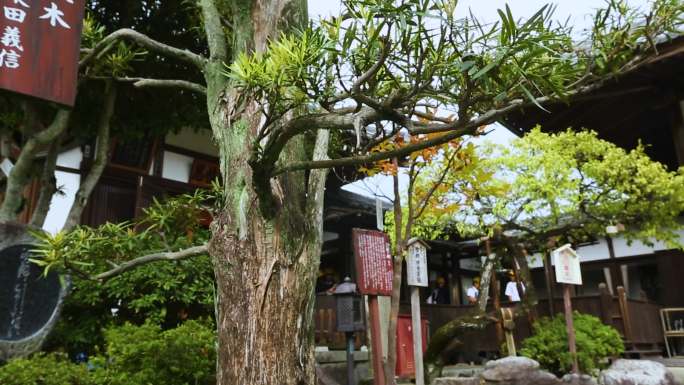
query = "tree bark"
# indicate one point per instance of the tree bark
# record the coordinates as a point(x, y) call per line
point(20, 175)
point(399, 251)
point(88, 183)
point(265, 260)
point(49, 186)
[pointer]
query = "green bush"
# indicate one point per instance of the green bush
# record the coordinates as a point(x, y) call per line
point(44, 369)
point(134, 355)
point(142, 355)
point(596, 343)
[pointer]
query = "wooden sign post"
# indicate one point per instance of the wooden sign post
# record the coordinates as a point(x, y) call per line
point(374, 271)
point(568, 272)
point(416, 274)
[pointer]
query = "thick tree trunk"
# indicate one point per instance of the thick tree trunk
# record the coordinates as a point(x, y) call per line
point(266, 254)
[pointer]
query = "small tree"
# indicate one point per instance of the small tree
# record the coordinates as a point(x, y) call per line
point(567, 186)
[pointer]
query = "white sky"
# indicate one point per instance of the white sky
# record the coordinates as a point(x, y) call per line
point(578, 11)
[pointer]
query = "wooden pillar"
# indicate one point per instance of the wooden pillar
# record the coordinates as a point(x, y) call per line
point(614, 270)
point(678, 132)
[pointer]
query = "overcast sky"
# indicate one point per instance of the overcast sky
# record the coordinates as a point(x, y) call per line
point(578, 12)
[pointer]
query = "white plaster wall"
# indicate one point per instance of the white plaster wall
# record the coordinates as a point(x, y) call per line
point(176, 167)
point(67, 183)
point(594, 252)
point(198, 141)
point(71, 158)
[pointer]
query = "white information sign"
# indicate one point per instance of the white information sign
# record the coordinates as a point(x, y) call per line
point(416, 264)
point(567, 263)
point(6, 166)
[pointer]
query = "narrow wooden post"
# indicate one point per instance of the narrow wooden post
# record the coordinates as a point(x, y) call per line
point(624, 313)
point(606, 300)
point(570, 328)
point(376, 342)
point(417, 335)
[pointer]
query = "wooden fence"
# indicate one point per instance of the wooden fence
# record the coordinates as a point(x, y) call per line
point(637, 321)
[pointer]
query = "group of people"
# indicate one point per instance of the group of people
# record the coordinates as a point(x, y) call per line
point(327, 284)
point(440, 295)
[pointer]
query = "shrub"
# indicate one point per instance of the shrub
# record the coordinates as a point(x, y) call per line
point(135, 355)
point(44, 369)
point(141, 355)
point(596, 342)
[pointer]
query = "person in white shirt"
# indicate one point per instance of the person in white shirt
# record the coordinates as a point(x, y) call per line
point(473, 292)
point(512, 288)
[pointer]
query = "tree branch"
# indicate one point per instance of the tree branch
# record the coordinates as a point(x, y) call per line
point(88, 184)
point(216, 37)
point(48, 185)
point(145, 42)
point(19, 176)
point(157, 83)
point(316, 187)
point(163, 256)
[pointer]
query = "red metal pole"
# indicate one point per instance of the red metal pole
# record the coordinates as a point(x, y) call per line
point(570, 327)
point(376, 341)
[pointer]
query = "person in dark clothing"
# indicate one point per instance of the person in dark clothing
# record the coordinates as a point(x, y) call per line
point(440, 295)
point(325, 284)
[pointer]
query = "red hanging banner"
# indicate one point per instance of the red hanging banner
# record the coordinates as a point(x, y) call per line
point(39, 47)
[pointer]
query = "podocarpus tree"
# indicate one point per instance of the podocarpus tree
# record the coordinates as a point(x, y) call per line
point(277, 89)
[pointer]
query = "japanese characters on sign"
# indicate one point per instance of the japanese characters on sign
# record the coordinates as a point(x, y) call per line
point(567, 264)
point(416, 264)
point(39, 47)
point(373, 262)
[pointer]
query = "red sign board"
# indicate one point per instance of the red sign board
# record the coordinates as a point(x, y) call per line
point(373, 262)
point(39, 47)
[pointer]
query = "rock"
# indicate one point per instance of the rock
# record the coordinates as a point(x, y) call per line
point(457, 381)
point(517, 371)
point(637, 372)
point(578, 379)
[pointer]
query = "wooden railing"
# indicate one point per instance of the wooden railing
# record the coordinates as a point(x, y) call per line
point(637, 321)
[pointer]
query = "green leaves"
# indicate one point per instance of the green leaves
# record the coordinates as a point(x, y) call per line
point(596, 343)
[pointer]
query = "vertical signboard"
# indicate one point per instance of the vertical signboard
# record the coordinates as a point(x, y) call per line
point(568, 273)
point(373, 262)
point(39, 47)
point(567, 264)
point(374, 276)
point(416, 264)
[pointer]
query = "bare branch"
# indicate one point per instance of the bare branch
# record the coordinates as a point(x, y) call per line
point(316, 187)
point(48, 186)
point(19, 176)
point(163, 256)
point(88, 184)
point(216, 37)
point(145, 42)
point(165, 83)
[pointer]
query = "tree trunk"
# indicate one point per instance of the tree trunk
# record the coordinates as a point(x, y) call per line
point(265, 245)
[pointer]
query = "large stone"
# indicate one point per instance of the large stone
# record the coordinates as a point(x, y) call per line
point(637, 372)
point(578, 379)
point(457, 381)
point(517, 371)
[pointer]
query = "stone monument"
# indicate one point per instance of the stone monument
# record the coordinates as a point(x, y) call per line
point(29, 301)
